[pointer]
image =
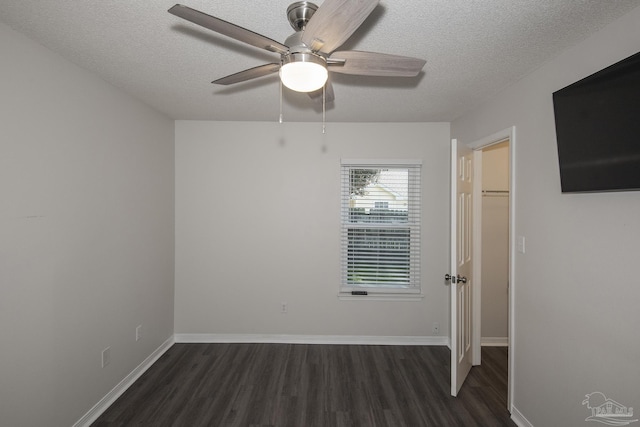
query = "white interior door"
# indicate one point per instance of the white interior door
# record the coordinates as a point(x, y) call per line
point(460, 276)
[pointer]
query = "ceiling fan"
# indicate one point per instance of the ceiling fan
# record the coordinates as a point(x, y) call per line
point(309, 54)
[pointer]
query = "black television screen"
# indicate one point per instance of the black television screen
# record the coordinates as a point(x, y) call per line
point(598, 130)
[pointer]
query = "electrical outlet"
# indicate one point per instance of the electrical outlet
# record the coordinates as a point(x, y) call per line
point(283, 307)
point(106, 356)
point(436, 328)
point(138, 332)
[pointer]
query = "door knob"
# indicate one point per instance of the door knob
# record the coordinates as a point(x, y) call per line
point(462, 279)
point(448, 277)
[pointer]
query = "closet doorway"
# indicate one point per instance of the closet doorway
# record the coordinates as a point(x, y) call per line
point(494, 247)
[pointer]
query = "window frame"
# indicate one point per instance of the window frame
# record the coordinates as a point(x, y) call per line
point(407, 291)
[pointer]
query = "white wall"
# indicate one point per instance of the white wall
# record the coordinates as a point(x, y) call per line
point(495, 242)
point(577, 293)
point(86, 235)
point(257, 223)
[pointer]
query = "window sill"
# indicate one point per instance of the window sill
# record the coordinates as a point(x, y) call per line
point(342, 296)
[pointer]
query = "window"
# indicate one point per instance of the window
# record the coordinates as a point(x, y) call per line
point(381, 205)
point(380, 232)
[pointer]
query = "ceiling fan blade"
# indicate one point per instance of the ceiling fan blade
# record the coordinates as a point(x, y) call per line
point(334, 22)
point(251, 73)
point(330, 96)
point(228, 29)
point(374, 64)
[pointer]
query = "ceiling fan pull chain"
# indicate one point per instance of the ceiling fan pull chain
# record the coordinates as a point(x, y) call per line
point(280, 101)
point(324, 111)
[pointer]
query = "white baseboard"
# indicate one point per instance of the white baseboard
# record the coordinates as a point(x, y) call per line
point(311, 339)
point(494, 342)
point(519, 419)
point(122, 386)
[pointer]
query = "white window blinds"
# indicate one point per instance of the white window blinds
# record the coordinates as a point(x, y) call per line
point(380, 234)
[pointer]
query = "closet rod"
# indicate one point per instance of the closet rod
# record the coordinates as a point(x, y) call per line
point(495, 192)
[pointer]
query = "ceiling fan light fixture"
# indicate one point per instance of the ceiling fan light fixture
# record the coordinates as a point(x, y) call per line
point(304, 72)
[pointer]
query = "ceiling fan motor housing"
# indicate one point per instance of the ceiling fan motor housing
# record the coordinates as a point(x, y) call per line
point(295, 44)
point(299, 52)
point(304, 57)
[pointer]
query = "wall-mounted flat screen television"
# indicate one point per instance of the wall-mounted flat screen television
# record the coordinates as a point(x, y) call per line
point(598, 130)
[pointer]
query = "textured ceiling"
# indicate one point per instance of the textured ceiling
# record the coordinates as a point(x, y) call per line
point(473, 50)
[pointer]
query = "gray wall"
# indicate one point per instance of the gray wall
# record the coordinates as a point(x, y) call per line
point(576, 293)
point(86, 235)
point(257, 223)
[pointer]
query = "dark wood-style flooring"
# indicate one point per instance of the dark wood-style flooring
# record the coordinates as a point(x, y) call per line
point(297, 385)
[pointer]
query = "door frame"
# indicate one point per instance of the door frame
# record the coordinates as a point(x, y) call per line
point(500, 136)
